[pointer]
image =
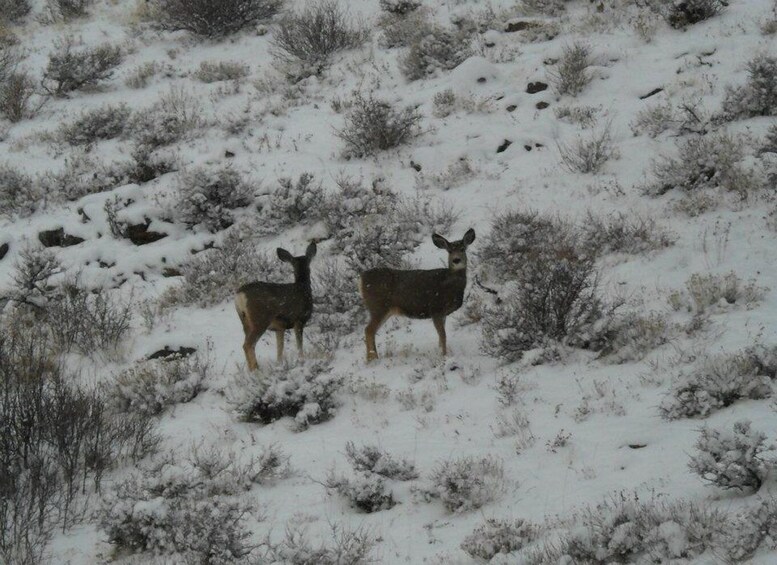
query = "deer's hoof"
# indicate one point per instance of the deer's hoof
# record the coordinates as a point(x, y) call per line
point(371, 356)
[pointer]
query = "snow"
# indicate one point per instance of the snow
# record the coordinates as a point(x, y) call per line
point(598, 459)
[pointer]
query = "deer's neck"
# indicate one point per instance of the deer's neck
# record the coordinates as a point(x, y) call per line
point(303, 281)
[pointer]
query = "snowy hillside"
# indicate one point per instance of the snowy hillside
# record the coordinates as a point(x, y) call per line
point(608, 393)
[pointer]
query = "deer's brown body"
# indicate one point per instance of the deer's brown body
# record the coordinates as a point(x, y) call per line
point(279, 307)
point(419, 294)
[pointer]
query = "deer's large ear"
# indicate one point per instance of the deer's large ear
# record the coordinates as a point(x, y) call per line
point(310, 252)
point(284, 255)
point(469, 237)
point(440, 241)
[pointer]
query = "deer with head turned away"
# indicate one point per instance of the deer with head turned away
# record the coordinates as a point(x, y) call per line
point(279, 307)
point(417, 293)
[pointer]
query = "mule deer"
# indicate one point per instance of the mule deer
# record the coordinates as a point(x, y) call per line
point(418, 294)
point(279, 307)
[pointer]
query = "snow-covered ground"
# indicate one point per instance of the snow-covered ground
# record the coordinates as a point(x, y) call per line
point(617, 439)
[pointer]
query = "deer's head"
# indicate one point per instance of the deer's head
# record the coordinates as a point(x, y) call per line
point(457, 250)
point(300, 264)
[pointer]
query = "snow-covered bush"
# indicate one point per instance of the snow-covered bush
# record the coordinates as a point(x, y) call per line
point(402, 28)
point(14, 10)
point(496, 536)
point(338, 308)
point(210, 72)
point(372, 459)
point(31, 277)
point(438, 49)
point(588, 152)
point(346, 547)
point(770, 143)
point(208, 197)
point(554, 298)
point(169, 120)
point(69, 9)
point(366, 492)
point(621, 233)
point(87, 320)
point(16, 93)
point(399, 7)
point(632, 336)
point(306, 40)
point(571, 74)
point(214, 18)
point(196, 508)
point(628, 530)
point(731, 458)
point(682, 13)
point(750, 529)
point(106, 122)
point(722, 381)
point(689, 117)
point(149, 387)
point(18, 193)
point(70, 68)
point(213, 275)
point(705, 162)
point(82, 174)
point(712, 292)
point(373, 125)
point(290, 204)
point(758, 96)
point(544, 7)
point(305, 392)
point(468, 483)
point(148, 163)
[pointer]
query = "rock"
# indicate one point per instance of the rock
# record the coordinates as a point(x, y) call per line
point(528, 147)
point(535, 87)
point(228, 154)
point(416, 166)
point(651, 93)
point(171, 272)
point(504, 145)
point(512, 27)
point(58, 238)
point(166, 352)
point(139, 234)
point(541, 105)
point(4, 250)
point(511, 108)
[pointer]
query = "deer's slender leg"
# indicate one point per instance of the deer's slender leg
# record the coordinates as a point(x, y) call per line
point(369, 334)
point(254, 332)
point(298, 329)
point(279, 336)
point(439, 325)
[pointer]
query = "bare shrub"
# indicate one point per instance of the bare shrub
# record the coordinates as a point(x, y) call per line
point(16, 93)
point(372, 459)
point(82, 174)
point(399, 7)
point(86, 321)
point(705, 162)
point(770, 143)
point(632, 337)
point(347, 547)
point(584, 116)
point(373, 125)
point(688, 117)
point(106, 122)
point(196, 508)
point(169, 120)
point(544, 7)
point(758, 96)
point(140, 76)
point(588, 153)
point(14, 10)
point(715, 292)
point(305, 393)
point(496, 536)
point(71, 69)
point(215, 274)
point(468, 483)
point(731, 459)
point(151, 386)
point(69, 9)
point(18, 193)
point(722, 381)
point(688, 12)
point(555, 298)
point(214, 18)
point(31, 277)
point(366, 493)
point(403, 29)
point(437, 50)
point(209, 197)
point(210, 72)
point(571, 74)
point(305, 41)
point(620, 233)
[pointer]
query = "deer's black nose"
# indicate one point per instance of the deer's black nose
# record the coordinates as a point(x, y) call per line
point(456, 261)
